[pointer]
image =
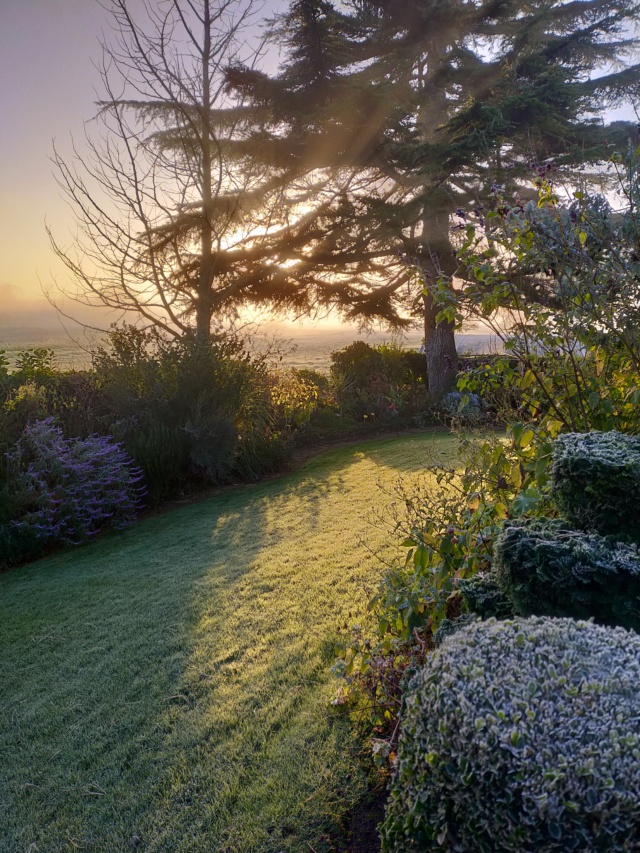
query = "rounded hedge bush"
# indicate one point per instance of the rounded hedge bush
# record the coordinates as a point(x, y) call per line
point(545, 568)
point(521, 736)
point(595, 480)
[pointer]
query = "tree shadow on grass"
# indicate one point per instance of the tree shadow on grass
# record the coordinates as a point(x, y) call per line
point(419, 451)
point(163, 689)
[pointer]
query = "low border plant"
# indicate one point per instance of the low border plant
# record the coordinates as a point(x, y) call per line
point(65, 490)
point(520, 736)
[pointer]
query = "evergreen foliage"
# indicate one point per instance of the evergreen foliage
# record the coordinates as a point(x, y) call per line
point(521, 735)
point(546, 568)
point(484, 596)
point(595, 478)
point(419, 109)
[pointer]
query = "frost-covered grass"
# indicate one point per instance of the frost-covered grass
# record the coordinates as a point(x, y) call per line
point(166, 688)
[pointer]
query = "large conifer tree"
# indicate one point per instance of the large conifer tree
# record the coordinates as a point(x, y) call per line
point(432, 103)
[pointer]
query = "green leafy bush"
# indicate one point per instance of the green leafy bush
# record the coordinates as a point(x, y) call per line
point(162, 452)
point(383, 382)
point(448, 525)
point(546, 568)
point(483, 595)
point(521, 736)
point(557, 280)
point(212, 392)
point(595, 479)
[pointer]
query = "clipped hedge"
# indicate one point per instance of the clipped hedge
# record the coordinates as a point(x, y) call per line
point(521, 737)
point(484, 596)
point(595, 479)
point(545, 568)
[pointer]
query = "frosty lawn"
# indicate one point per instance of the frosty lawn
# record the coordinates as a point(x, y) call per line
point(167, 688)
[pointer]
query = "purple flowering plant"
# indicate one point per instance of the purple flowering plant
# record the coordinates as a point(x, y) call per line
point(67, 489)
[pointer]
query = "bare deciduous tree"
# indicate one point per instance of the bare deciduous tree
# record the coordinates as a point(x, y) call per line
point(179, 218)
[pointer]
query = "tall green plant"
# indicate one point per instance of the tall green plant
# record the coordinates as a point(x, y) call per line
point(558, 280)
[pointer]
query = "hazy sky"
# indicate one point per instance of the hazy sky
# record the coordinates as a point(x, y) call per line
point(46, 49)
point(48, 90)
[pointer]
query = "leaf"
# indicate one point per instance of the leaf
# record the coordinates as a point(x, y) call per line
point(582, 236)
point(527, 380)
point(473, 502)
point(527, 438)
point(553, 426)
point(517, 430)
point(500, 510)
point(525, 502)
point(516, 475)
point(446, 545)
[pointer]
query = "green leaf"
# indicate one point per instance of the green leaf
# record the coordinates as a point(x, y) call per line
point(516, 431)
point(527, 438)
point(527, 380)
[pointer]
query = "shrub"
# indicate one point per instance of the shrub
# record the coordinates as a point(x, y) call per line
point(467, 407)
point(595, 478)
point(19, 544)
point(521, 736)
point(379, 383)
point(484, 596)
point(162, 452)
point(212, 391)
point(547, 569)
point(557, 280)
point(359, 361)
point(294, 398)
point(447, 535)
point(64, 490)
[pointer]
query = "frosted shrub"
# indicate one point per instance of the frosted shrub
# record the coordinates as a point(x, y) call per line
point(595, 479)
point(521, 737)
point(64, 490)
point(545, 568)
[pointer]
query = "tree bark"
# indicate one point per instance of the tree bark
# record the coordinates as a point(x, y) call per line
point(204, 299)
point(440, 351)
point(439, 339)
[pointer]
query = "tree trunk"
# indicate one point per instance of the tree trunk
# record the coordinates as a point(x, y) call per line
point(439, 338)
point(204, 314)
point(440, 351)
point(204, 301)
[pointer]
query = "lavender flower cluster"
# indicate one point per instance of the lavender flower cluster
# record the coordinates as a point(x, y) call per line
point(67, 489)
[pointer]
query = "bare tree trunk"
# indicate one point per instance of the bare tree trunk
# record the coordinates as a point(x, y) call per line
point(439, 339)
point(204, 307)
point(440, 351)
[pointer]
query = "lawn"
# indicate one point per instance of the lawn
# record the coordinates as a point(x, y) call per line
point(166, 688)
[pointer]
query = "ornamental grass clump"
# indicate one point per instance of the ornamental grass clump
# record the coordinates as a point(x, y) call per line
point(521, 736)
point(546, 568)
point(595, 479)
point(63, 490)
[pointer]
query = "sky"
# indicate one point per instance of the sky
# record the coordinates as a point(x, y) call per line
point(48, 90)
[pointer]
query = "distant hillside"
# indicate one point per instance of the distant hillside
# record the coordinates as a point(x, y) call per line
point(310, 348)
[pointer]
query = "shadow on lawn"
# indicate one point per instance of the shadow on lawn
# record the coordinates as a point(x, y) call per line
point(433, 447)
point(165, 688)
